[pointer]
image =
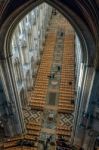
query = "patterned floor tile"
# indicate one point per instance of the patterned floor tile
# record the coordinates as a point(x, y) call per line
point(33, 115)
point(65, 119)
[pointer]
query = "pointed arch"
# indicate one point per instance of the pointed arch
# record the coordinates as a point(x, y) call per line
point(72, 10)
point(23, 97)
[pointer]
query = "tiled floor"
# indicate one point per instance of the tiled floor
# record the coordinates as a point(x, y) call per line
point(65, 119)
point(33, 115)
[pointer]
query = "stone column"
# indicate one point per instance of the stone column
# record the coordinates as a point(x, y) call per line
point(85, 92)
point(14, 121)
point(89, 140)
point(93, 111)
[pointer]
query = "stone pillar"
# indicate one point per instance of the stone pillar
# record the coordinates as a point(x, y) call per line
point(14, 121)
point(80, 131)
point(93, 111)
point(89, 140)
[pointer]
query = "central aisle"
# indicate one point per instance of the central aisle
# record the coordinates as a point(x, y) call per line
point(53, 94)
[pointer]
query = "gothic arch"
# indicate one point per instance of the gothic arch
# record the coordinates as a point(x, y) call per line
point(81, 15)
point(32, 64)
point(28, 80)
point(17, 69)
point(23, 97)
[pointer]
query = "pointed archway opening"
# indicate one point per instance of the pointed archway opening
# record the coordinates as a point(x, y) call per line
point(86, 56)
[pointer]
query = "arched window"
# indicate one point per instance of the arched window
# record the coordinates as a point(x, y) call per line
point(32, 65)
point(23, 47)
point(17, 70)
point(28, 80)
point(23, 97)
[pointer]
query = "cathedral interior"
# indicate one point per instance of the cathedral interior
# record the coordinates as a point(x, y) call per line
point(49, 78)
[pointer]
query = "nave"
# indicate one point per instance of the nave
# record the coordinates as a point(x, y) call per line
point(37, 108)
point(49, 114)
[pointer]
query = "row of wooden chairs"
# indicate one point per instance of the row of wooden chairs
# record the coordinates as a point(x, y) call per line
point(63, 132)
point(49, 49)
point(36, 106)
point(40, 79)
point(66, 84)
point(69, 37)
point(42, 84)
point(68, 61)
point(36, 102)
point(66, 99)
point(68, 45)
point(67, 76)
point(68, 79)
point(33, 131)
point(11, 145)
point(38, 96)
point(33, 127)
point(47, 57)
point(30, 137)
point(70, 57)
point(66, 96)
point(64, 109)
point(66, 128)
point(66, 105)
point(66, 72)
point(65, 92)
point(37, 99)
point(66, 88)
point(43, 73)
point(38, 93)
